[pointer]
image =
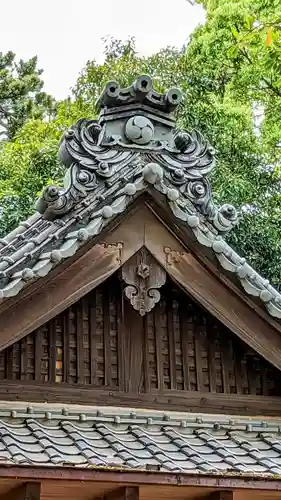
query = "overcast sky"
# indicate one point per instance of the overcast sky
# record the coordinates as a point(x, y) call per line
point(66, 33)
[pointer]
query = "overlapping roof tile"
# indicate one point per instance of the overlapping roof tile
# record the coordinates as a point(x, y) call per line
point(132, 148)
point(140, 440)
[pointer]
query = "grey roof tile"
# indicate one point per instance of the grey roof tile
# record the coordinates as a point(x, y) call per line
point(134, 442)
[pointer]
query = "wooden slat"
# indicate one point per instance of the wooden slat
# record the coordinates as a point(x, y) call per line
point(79, 342)
point(23, 358)
point(146, 355)
point(225, 361)
point(158, 339)
point(252, 375)
point(121, 345)
point(134, 349)
point(66, 336)
point(9, 362)
point(264, 379)
point(211, 356)
point(92, 335)
point(106, 342)
point(53, 351)
point(186, 326)
point(38, 354)
point(238, 368)
point(198, 359)
point(171, 339)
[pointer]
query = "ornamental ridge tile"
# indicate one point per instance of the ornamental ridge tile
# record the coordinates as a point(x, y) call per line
point(132, 148)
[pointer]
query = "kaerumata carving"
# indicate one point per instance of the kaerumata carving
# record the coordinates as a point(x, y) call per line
point(143, 277)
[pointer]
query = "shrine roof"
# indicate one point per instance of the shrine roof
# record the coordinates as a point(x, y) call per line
point(133, 148)
point(56, 436)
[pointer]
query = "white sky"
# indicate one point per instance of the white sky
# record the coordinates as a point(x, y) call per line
point(66, 33)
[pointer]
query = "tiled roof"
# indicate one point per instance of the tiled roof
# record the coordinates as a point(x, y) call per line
point(37, 245)
point(109, 164)
point(140, 440)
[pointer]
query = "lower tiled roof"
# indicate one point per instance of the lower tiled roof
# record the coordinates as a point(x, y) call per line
point(140, 440)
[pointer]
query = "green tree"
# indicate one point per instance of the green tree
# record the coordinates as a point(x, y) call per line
point(21, 95)
point(234, 70)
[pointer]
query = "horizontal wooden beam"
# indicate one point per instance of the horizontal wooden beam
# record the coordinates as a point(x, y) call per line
point(28, 491)
point(191, 401)
point(139, 478)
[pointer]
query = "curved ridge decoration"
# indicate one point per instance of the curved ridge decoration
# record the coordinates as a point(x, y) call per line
point(133, 147)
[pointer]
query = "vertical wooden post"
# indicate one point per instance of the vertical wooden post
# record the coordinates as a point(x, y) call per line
point(124, 493)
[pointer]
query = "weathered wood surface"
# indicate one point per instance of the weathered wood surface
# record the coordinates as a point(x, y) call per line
point(102, 350)
point(149, 482)
point(27, 491)
point(143, 277)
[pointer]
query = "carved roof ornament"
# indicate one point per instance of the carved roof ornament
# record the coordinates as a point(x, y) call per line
point(135, 140)
point(143, 277)
point(132, 148)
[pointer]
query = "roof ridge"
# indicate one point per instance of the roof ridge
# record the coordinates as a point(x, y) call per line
point(110, 162)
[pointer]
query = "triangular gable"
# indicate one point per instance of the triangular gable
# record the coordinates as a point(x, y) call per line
point(142, 228)
point(101, 342)
point(81, 238)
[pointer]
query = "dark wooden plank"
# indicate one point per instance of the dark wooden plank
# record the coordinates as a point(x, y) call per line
point(27, 491)
point(53, 351)
point(222, 495)
point(171, 480)
point(185, 401)
point(23, 359)
point(123, 493)
point(106, 338)
point(79, 342)
point(92, 335)
point(121, 346)
point(171, 339)
point(238, 367)
point(198, 356)
point(9, 362)
point(146, 354)
point(212, 355)
point(132, 477)
point(134, 349)
point(186, 328)
point(264, 379)
point(158, 341)
point(252, 374)
point(225, 362)
point(38, 353)
point(66, 351)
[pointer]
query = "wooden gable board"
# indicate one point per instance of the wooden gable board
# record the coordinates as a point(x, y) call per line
point(114, 248)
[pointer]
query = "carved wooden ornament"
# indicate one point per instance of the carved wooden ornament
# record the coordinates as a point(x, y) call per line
point(143, 276)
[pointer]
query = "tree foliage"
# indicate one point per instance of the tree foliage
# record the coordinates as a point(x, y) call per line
point(21, 95)
point(229, 70)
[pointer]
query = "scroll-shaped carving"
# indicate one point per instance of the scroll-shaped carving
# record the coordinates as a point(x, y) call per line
point(143, 277)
